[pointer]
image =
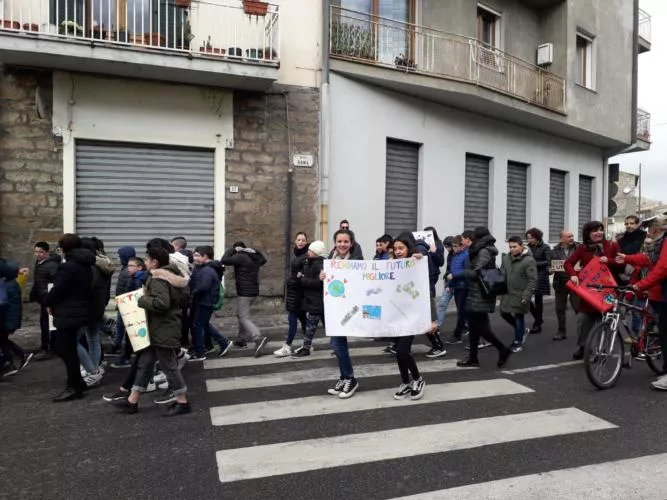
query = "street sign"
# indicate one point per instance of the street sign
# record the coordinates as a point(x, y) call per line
point(303, 160)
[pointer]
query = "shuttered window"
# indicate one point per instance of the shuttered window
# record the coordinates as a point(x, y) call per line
point(556, 204)
point(517, 193)
point(476, 204)
point(127, 194)
point(401, 187)
point(585, 202)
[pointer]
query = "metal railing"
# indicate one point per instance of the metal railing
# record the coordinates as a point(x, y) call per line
point(643, 125)
point(212, 28)
point(644, 25)
point(407, 47)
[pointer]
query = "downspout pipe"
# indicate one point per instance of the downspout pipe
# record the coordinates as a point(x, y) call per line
point(325, 120)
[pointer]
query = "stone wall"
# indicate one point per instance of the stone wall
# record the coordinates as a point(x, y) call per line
point(258, 165)
point(30, 165)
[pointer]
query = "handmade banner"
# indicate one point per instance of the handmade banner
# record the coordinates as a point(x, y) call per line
point(377, 298)
point(427, 236)
point(595, 274)
point(557, 266)
point(134, 319)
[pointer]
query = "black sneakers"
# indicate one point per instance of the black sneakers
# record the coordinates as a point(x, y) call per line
point(468, 363)
point(336, 390)
point(350, 386)
point(404, 390)
point(417, 389)
point(259, 345)
point(177, 409)
point(301, 352)
point(166, 397)
point(436, 352)
point(116, 396)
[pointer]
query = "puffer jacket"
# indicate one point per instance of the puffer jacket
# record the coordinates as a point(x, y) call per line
point(521, 272)
point(294, 292)
point(70, 296)
point(542, 255)
point(246, 265)
point(313, 298)
point(204, 286)
point(482, 254)
point(163, 293)
point(457, 269)
point(44, 274)
point(559, 252)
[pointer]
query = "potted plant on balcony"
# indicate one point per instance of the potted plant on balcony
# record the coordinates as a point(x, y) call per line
point(351, 40)
point(403, 62)
point(187, 37)
point(183, 3)
point(255, 7)
point(70, 28)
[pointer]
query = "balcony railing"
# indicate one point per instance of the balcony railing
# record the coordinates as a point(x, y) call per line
point(417, 49)
point(644, 25)
point(643, 125)
point(217, 29)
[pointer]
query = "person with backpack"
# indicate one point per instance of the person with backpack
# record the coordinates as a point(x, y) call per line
point(204, 295)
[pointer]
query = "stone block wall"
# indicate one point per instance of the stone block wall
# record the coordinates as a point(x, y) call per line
point(31, 180)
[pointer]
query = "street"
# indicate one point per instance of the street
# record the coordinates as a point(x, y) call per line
point(266, 429)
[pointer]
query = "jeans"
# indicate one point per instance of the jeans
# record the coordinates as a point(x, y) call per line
point(66, 347)
point(339, 346)
point(537, 310)
point(47, 340)
point(446, 298)
point(518, 322)
point(311, 327)
point(132, 376)
point(480, 326)
point(561, 306)
point(168, 364)
point(120, 331)
point(406, 362)
point(91, 358)
point(201, 327)
point(246, 326)
point(292, 319)
point(460, 299)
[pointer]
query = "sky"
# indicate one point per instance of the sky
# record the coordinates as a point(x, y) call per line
point(652, 98)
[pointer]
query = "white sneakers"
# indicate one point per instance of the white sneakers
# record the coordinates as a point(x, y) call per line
point(661, 383)
point(283, 352)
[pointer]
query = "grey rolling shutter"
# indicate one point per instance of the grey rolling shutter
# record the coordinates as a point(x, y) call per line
point(517, 189)
point(127, 194)
point(401, 187)
point(556, 204)
point(476, 204)
point(585, 202)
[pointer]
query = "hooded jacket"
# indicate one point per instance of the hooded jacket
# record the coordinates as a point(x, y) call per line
point(294, 292)
point(71, 293)
point(246, 269)
point(181, 262)
point(542, 255)
point(163, 293)
point(124, 283)
point(521, 272)
point(44, 274)
point(482, 254)
point(457, 269)
point(312, 285)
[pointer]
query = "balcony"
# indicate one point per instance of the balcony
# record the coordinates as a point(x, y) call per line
point(644, 32)
point(411, 49)
point(643, 125)
point(207, 42)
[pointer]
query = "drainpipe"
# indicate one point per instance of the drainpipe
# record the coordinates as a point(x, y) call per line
point(325, 127)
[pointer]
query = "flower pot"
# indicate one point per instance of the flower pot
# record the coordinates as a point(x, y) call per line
point(255, 7)
point(11, 25)
point(30, 27)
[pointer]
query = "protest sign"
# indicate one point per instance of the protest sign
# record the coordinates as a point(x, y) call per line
point(134, 319)
point(427, 236)
point(377, 298)
point(557, 266)
point(595, 274)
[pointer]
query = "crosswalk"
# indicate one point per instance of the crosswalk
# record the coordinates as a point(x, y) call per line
point(248, 392)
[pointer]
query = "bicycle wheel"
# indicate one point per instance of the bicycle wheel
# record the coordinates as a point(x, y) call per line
point(603, 356)
point(653, 353)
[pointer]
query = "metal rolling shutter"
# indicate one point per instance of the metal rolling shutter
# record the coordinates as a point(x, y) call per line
point(127, 194)
point(476, 204)
point(517, 189)
point(585, 202)
point(401, 187)
point(556, 204)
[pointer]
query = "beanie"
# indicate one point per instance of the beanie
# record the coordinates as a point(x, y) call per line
point(318, 248)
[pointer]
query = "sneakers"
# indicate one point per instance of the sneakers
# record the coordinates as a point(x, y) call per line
point(516, 347)
point(301, 352)
point(121, 363)
point(338, 388)
point(259, 345)
point(640, 357)
point(177, 409)
point(560, 336)
point(160, 378)
point(467, 363)
point(182, 358)
point(210, 349)
point(125, 406)
point(350, 386)
point(196, 359)
point(9, 369)
point(151, 387)
point(93, 379)
point(26, 359)
point(483, 344)
point(536, 329)
point(661, 383)
point(283, 352)
point(453, 340)
point(436, 352)
point(404, 390)
point(224, 350)
point(390, 349)
point(165, 398)
point(116, 396)
point(417, 389)
point(240, 343)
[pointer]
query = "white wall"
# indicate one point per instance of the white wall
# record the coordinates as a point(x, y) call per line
point(86, 107)
point(364, 116)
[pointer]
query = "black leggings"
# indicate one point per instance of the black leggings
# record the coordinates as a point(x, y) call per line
point(480, 326)
point(406, 362)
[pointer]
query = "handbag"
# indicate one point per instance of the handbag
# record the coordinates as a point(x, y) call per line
point(492, 281)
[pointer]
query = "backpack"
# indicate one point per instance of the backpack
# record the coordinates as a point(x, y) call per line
point(218, 268)
point(221, 298)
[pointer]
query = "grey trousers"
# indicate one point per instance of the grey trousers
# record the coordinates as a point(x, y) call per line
point(168, 364)
point(246, 326)
point(585, 323)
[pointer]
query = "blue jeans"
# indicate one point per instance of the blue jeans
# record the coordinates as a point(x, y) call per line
point(90, 359)
point(339, 346)
point(446, 298)
point(120, 331)
point(201, 325)
point(519, 324)
point(292, 319)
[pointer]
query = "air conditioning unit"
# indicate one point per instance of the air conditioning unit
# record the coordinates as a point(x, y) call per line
point(545, 54)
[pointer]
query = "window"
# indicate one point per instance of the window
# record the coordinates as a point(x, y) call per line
point(557, 204)
point(585, 201)
point(584, 70)
point(488, 27)
point(476, 203)
point(517, 194)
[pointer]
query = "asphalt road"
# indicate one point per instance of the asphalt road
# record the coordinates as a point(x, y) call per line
point(538, 421)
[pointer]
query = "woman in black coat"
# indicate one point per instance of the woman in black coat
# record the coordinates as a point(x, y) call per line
point(542, 255)
point(294, 295)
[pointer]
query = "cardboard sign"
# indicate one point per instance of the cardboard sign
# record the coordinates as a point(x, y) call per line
point(557, 266)
point(427, 236)
point(134, 319)
point(51, 327)
point(594, 274)
point(377, 298)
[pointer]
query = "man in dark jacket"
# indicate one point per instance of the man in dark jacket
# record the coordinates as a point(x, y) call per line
point(246, 263)
point(559, 254)
point(68, 302)
point(123, 285)
point(204, 293)
point(46, 265)
point(542, 255)
point(632, 240)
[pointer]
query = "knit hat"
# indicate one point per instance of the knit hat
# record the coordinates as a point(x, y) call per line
point(318, 248)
